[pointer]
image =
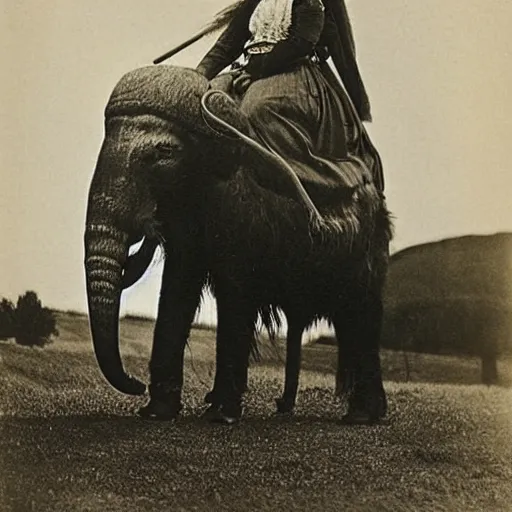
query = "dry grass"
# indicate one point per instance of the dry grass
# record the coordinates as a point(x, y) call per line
point(67, 367)
point(69, 442)
point(137, 336)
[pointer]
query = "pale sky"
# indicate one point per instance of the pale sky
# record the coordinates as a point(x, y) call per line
point(438, 73)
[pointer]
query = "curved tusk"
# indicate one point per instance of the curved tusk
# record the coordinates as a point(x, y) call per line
point(137, 264)
point(274, 158)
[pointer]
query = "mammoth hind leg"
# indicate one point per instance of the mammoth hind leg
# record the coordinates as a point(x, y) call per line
point(359, 376)
point(286, 403)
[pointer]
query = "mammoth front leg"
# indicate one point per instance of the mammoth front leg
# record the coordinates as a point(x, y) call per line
point(235, 334)
point(179, 298)
point(215, 396)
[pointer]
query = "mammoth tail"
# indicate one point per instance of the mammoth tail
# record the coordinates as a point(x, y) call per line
point(271, 321)
point(317, 221)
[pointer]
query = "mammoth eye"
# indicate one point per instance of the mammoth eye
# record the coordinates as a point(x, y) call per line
point(167, 150)
point(163, 149)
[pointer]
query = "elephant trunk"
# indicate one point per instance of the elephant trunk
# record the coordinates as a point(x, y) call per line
point(105, 251)
point(107, 236)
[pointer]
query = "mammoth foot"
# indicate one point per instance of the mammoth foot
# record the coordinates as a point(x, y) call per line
point(367, 405)
point(363, 418)
point(211, 398)
point(216, 397)
point(164, 404)
point(223, 414)
point(284, 406)
point(158, 410)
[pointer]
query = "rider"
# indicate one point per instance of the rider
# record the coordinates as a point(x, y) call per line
point(294, 102)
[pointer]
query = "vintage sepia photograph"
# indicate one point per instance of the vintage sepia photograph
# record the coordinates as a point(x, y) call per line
point(257, 255)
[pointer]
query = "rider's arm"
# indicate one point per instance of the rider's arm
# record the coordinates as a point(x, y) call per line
point(230, 44)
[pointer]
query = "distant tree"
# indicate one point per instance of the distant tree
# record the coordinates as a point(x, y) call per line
point(462, 327)
point(34, 324)
point(489, 367)
point(454, 297)
point(7, 315)
point(407, 363)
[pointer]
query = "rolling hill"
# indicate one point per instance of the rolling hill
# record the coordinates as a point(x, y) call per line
point(452, 297)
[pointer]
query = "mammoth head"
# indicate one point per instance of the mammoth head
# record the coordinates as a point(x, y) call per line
point(153, 126)
point(172, 94)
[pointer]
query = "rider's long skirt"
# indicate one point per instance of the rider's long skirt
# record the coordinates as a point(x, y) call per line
point(310, 122)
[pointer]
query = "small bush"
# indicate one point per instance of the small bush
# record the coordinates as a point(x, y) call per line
point(7, 319)
point(34, 324)
point(326, 340)
point(138, 318)
point(203, 327)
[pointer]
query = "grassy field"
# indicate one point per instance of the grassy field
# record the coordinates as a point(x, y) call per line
point(69, 442)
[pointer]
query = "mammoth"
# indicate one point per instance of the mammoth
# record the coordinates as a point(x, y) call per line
point(229, 217)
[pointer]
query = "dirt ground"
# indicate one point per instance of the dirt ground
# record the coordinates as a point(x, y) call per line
point(68, 442)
